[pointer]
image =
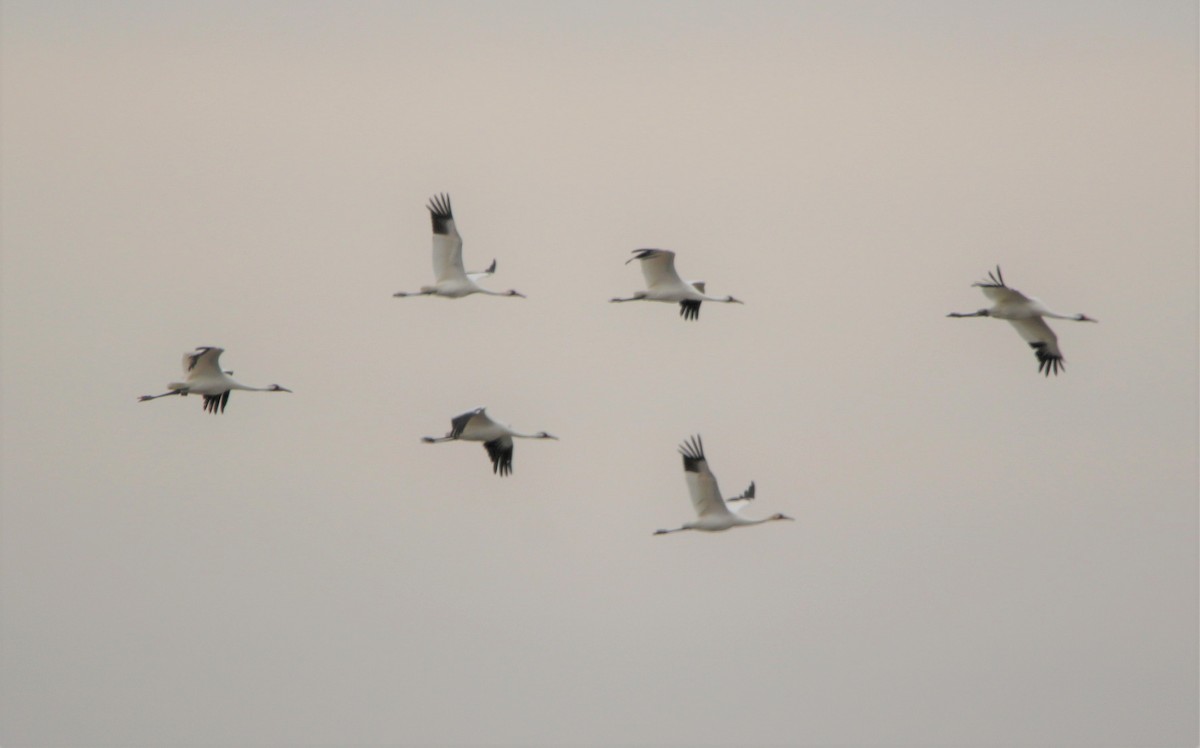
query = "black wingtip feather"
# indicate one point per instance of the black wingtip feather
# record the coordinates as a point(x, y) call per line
point(747, 495)
point(689, 309)
point(995, 280)
point(440, 213)
point(195, 357)
point(459, 423)
point(693, 454)
point(216, 403)
point(1047, 362)
point(500, 456)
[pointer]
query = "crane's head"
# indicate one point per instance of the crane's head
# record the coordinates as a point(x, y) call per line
point(277, 388)
point(782, 516)
point(514, 292)
point(544, 435)
point(1084, 318)
point(731, 300)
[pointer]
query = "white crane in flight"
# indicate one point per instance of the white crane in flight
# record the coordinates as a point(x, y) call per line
point(664, 284)
point(1026, 314)
point(203, 376)
point(477, 426)
point(450, 279)
point(712, 512)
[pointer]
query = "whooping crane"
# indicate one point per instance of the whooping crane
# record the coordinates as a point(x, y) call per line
point(664, 284)
point(711, 510)
point(1026, 315)
point(204, 376)
point(450, 280)
point(477, 426)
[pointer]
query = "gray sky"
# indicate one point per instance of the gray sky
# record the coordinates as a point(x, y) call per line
point(981, 554)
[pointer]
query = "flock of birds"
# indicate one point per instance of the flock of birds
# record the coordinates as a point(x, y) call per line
point(204, 376)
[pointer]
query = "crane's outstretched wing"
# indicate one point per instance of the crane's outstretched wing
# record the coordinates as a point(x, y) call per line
point(701, 483)
point(216, 403)
point(500, 451)
point(658, 267)
point(202, 362)
point(481, 274)
point(996, 290)
point(1043, 341)
point(738, 503)
point(447, 244)
point(474, 418)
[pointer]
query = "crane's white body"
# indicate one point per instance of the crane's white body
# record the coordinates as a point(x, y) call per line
point(1027, 316)
point(477, 426)
point(712, 512)
point(450, 279)
point(664, 284)
point(203, 376)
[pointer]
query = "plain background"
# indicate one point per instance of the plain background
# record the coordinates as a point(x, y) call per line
point(982, 554)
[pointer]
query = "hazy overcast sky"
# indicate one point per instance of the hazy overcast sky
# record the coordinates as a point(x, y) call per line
point(982, 555)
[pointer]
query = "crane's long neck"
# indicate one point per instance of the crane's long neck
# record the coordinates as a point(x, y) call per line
point(538, 435)
point(509, 292)
point(772, 518)
point(239, 386)
point(741, 521)
point(1072, 317)
point(719, 299)
point(233, 385)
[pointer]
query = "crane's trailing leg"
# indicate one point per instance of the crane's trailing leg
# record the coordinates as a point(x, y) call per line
point(144, 398)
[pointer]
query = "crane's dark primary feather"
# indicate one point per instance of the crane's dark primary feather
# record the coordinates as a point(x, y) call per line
point(693, 454)
point(996, 278)
point(747, 495)
point(458, 423)
point(195, 357)
point(501, 455)
point(1047, 362)
point(216, 403)
point(439, 211)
